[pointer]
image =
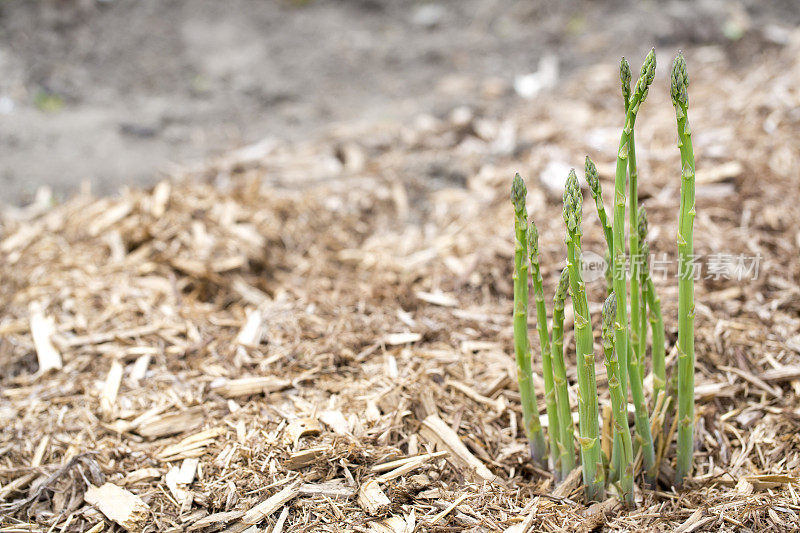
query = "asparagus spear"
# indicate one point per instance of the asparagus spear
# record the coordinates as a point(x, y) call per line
point(593, 178)
point(527, 392)
point(618, 403)
point(633, 193)
point(589, 426)
point(566, 446)
point(680, 99)
point(551, 403)
point(620, 283)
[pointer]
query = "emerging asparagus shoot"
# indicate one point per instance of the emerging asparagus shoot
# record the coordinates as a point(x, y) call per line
point(589, 427)
point(527, 392)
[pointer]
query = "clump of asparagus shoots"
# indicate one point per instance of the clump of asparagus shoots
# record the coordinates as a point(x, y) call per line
point(624, 342)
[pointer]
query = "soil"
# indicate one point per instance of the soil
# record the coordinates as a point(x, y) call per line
point(114, 92)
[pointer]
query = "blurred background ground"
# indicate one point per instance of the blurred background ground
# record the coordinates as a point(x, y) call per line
point(114, 91)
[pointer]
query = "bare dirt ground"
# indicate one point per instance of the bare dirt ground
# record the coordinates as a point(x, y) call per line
point(252, 344)
point(113, 92)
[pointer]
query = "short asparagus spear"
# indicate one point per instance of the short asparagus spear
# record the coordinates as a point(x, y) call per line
point(593, 179)
point(680, 99)
point(527, 392)
point(618, 404)
point(567, 447)
point(553, 431)
point(589, 426)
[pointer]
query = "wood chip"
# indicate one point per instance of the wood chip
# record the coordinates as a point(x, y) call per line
point(258, 513)
point(119, 505)
point(42, 329)
point(435, 431)
point(301, 427)
point(171, 423)
point(236, 388)
point(372, 498)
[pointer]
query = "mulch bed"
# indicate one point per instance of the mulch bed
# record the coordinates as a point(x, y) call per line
point(317, 336)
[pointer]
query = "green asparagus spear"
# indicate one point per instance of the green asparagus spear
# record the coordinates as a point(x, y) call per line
point(566, 444)
point(620, 279)
point(618, 403)
point(618, 257)
point(589, 426)
point(527, 392)
point(551, 402)
point(633, 193)
point(686, 312)
point(593, 179)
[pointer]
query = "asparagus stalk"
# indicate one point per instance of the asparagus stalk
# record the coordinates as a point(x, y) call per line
point(589, 426)
point(633, 193)
point(644, 437)
point(566, 446)
point(593, 179)
point(642, 268)
point(618, 403)
point(620, 283)
point(527, 392)
point(686, 311)
point(551, 403)
point(657, 327)
point(653, 307)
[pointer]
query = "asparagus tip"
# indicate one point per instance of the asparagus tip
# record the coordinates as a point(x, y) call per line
point(533, 241)
point(679, 81)
point(518, 192)
point(609, 315)
point(592, 177)
point(572, 202)
point(625, 78)
point(642, 224)
point(562, 287)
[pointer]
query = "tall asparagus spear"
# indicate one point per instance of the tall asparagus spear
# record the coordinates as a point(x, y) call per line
point(680, 99)
point(527, 392)
point(551, 403)
point(618, 403)
point(620, 283)
point(633, 202)
point(589, 426)
point(566, 445)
